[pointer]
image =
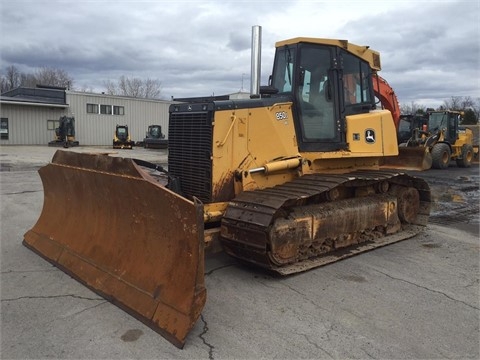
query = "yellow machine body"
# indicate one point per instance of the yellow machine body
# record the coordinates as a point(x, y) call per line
point(288, 180)
point(121, 138)
point(240, 144)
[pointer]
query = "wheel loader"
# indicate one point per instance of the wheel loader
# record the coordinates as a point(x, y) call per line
point(438, 142)
point(447, 140)
point(409, 124)
point(287, 181)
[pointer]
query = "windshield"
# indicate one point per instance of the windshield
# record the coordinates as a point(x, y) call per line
point(404, 125)
point(437, 121)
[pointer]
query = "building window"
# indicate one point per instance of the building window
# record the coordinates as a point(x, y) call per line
point(52, 124)
point(106, 109)
point(4, 129)
point(118, 110)
point(92, 108)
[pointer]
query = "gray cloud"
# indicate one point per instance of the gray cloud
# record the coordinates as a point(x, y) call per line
point(430, 50)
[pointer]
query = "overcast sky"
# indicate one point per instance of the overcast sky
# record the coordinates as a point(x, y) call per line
point(430, 50)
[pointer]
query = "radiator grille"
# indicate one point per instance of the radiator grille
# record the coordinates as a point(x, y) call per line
point(190, 152)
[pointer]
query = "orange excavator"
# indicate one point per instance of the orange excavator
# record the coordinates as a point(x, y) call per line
point(287, 180)
point(384, 92)
point(409, 158)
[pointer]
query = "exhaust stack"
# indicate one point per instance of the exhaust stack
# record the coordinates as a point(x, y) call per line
point(256, 61)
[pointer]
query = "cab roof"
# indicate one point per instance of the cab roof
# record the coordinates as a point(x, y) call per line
point(364, 52)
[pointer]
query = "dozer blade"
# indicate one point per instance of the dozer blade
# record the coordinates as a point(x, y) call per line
point(110, 225)
point(409, 158)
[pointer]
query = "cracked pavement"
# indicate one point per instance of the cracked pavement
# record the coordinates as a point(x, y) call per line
point(415, 299)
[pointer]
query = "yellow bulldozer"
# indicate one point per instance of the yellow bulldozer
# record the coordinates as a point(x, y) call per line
point(287, 180)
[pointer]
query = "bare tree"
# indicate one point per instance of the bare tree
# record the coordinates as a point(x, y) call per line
point(85, 88)
point(131, 86)
point(412, 109)
point(134, 87)
point(54, 77)
point(470, 107)
point(3, 85)
point(110, 87)
point(476, 108)
point(454, 103)
point(28, 80)
point(153, 88)
point(466, 102)
point(13, 77)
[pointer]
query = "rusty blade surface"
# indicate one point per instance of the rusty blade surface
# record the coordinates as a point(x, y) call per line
point(409, 158)
point(111, 226)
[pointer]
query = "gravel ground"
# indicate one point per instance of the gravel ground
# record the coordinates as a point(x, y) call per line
point(416, 299)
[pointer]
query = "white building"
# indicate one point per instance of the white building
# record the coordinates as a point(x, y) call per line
point(29, 116)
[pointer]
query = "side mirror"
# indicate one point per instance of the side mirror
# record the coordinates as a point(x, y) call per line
point(268, 90)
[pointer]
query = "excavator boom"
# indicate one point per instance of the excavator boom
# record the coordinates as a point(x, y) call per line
point(409, 158)
point(385, 93)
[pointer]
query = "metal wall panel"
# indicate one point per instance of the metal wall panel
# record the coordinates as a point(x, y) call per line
point(98, 129)
point(28, 124)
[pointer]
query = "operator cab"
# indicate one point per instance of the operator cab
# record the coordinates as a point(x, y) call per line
point(446, 121)
point(122, 132)
point(326, 84)
point(155, 131)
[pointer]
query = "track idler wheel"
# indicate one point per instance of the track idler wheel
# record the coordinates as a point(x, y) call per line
point(408, 203)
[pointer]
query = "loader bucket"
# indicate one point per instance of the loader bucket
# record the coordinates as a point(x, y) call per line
point(114, 228)
point(409, 158)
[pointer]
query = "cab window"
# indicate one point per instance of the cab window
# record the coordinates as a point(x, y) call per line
point(314, 95)
point(355, 80)
point(284, 69)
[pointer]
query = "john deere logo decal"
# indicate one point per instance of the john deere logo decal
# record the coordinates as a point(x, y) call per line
point(370, 136)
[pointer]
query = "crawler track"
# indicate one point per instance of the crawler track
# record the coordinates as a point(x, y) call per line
point(318, 219)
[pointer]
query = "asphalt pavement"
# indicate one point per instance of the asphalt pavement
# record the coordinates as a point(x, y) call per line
point(416, 299)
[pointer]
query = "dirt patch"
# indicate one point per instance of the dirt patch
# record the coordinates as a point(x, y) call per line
point(131, 335)
point(455, 197)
